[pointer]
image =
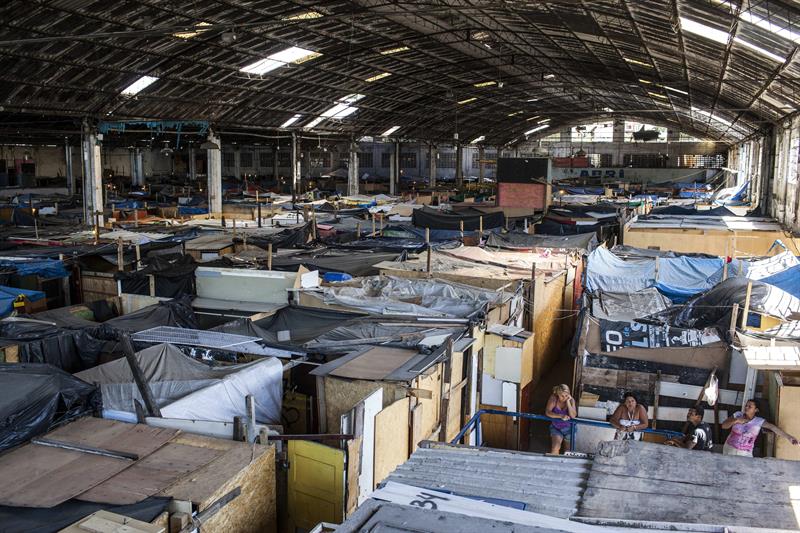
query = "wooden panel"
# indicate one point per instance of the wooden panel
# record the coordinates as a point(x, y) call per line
point(498, 431)
point(160, 469)
point(622, 379)
point(391, 439)
point(417, 421)
point(316, 484)
point(341, 395)
point(652, 482)
point(431, 407)
point(47, 476)
point(353, 461)
point(788, 420)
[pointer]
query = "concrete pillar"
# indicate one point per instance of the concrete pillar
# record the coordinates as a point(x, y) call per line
point(392, 171)
point(237, 162)
point(137, 167)
point(397, 169)
point(352, 170)
point(275, 162)
point(432, 153)
point(481, 153)
point(214, 171)
point(92, 179)
point(132, 159)
point(295, 168)
point(192, 164)
point(68, 167)
point(459, 165)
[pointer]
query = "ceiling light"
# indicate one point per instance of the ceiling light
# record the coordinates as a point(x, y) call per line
point(395, 50)
point(390, 131)
point(314, 122)
point(544, 121)
point(291, 121)
point(657, 95)
point(673, 89)
point(515, 113)
point(194, 33)
point(533, 100)
point(294, 55)
point(533, 118)
point(139, 85)
point(548, 76)
point(377, 77)
point(645, 81)
point(307, 15)
point(608, 110)
point(537, 128)
point(467, 101)
point(477, 139)
point(480, 35)
point(485, 84)
point(637, 62)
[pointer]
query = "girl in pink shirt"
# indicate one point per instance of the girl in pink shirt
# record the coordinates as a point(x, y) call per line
point(745, 427)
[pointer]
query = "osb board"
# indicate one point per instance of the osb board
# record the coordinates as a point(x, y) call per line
point(342, 394)
point(528, 371)
point(391, 439)
point(490, 343)
point(548, 333)
point(353, 460)
point(432, 381)
point(787, 420)
point(374, 364)
point(453, 423)
point(251, 467)
point(11, 354)
point(712, 241)
point(46, 476)
point(498, 431)
point(97, 287)
point(622, 379)
point(417, 419)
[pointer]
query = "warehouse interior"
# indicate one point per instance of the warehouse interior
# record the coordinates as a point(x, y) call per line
point(410, 265)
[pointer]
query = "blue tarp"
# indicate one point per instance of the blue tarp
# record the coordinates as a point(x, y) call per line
point(9, 294)
point(129, 204)
point(186, 210)
point(678, 278)
point(46, 268)
point(788, 280)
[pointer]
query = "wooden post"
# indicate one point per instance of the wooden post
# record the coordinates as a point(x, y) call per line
point(135, 217)
point(532, 291)
point(358, 230)
point(120, 256)
point(746, 305)
point(373, 224)
point(36, 226)
point(656, 394)
point(258, 208)
point(234, 228)
point(734, 316)
point(269, 256)
point(461, 229)
point(480, 224)
point(381, 233)
point(428, 266)
point(65, 286)
point(96, 228)
point(314, 225)
point(152, 280)
point(139, 377)
point(244, 238)
point(138, 256)
point(427, 235)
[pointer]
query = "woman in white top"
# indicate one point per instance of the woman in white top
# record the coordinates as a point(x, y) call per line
point(629, 417)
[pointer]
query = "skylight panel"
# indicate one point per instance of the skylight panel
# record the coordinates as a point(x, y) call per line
point(712, 117)
point(341, 109)
point(390, 131)
point(139, 85)
point(294, 55)
point(484, 84)
point(291, 120)
point(397, 50)
point(515, 113)
point(477, 139)
point(467, 101)
point(377, 77)
point(544, 121)
point(657, 95)
point(199, 28)
point(722, 37)
point(673, 89)
point(637, 62)
point(537, 128)
point(306, 15)
point(608, 110)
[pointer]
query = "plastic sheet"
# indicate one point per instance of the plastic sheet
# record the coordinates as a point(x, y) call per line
point(356, 263)
point(173, 276)
point(45, 268)
point(294, 326)
point(9, 294)
point(434, 219)
point(37, 397)
point(517, 240)
point(189, 389)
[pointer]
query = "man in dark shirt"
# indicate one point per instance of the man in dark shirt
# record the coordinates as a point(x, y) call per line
point(698, 436)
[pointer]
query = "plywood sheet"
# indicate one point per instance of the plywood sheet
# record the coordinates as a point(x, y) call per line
point(376, 363)
point(152, 474)
point(47, 476)
point(508, 364)
point(391, 438)
point(787, 420)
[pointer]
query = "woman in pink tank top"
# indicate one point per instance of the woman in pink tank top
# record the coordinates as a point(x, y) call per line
point(745, 427)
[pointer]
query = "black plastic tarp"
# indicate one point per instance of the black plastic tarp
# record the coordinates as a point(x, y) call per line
point(551, 227)
point(36, 520)
point(288, 238)
point(691, 211)
point(518, 240)
point(302, 324)
point(356, 263)
point(37, 397)
point(630, 252)
point(173, 276)
point(435, 219)
point(176, 313)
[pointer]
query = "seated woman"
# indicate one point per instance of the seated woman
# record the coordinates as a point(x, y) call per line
point(561, 407)
point(745, 427)
point(629, 417)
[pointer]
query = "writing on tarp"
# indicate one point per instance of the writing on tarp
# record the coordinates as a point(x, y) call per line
point(427, 500)
point(618, 335)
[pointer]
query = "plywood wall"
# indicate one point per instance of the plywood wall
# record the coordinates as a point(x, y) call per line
point(391, 438)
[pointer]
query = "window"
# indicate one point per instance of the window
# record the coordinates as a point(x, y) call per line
point(386, 159)
point(599, 132)
point(447, 160)
point(599, 160)
point(246, 159)
point(408, 160)
point(645, 160)
point(284, 160)
point(321, 159)
point(702, 161)
point(686, 138)
point(651, 133)
point(365, 160)
point(552, 138)
point(487, 156)
point(227, 159)
point(265, 159)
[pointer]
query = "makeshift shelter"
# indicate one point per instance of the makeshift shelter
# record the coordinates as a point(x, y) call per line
point(471, 219)
point(37, 398)
point(188, 389)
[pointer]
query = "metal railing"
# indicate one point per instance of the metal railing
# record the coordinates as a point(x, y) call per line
point(573, 429)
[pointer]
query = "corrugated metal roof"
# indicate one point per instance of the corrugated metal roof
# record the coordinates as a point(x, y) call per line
point(544, 484)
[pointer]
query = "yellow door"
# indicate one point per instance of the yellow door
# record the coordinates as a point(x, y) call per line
point(315, 486)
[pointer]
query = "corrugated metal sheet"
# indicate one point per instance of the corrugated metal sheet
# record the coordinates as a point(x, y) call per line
point(543, 484)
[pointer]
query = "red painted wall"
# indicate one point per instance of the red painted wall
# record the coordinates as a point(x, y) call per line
point(530, 195)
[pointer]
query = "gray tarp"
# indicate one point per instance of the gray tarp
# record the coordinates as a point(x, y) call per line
point(189, 389)
point(628, 306)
